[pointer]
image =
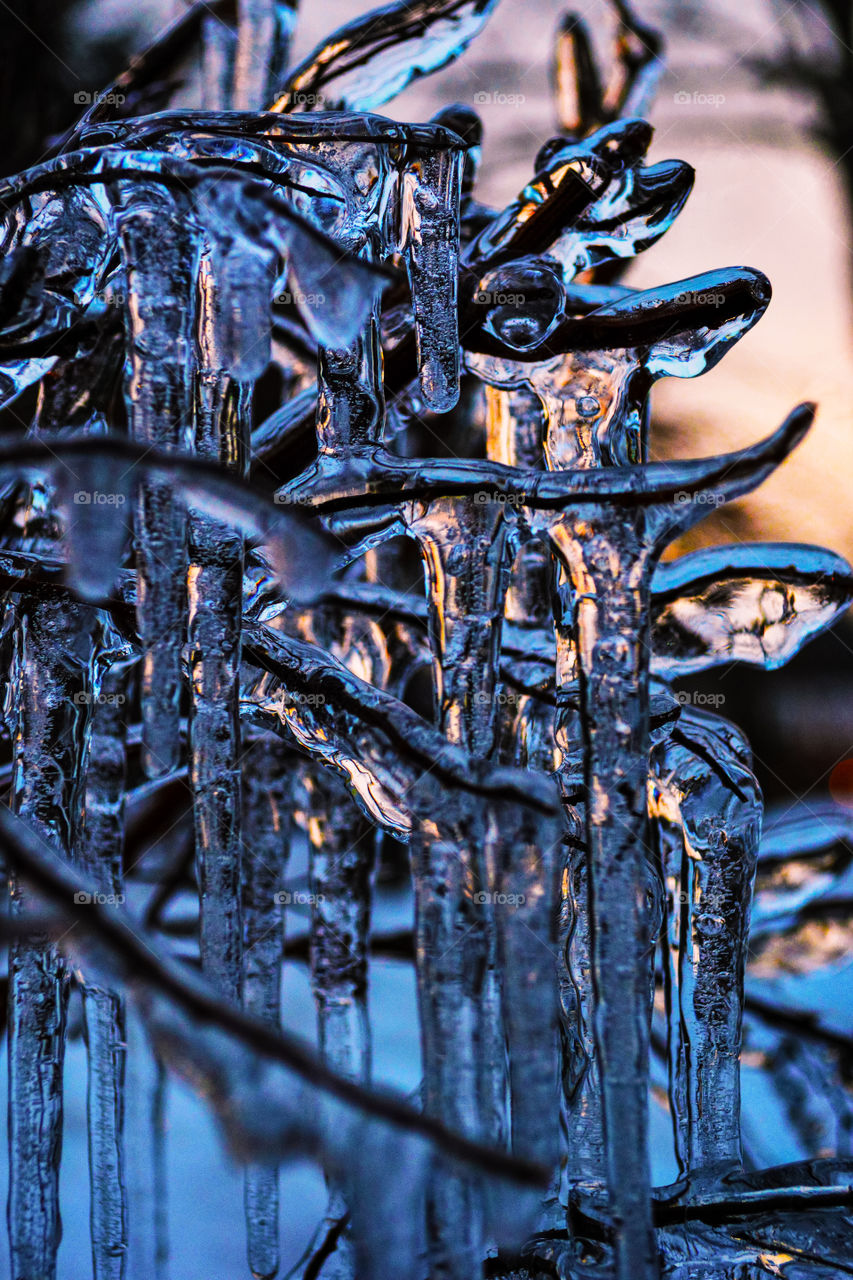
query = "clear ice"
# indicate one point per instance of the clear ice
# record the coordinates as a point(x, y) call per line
point(420, 604)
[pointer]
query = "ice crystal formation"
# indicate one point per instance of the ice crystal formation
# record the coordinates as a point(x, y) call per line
point(455, 491)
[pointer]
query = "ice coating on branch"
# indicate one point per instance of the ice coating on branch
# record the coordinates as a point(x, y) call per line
point(431, 201)
point(708, 851)
point(376, 56)
point(157, 244)
point(103, 1009)
point(267, 798)
point(751, 603)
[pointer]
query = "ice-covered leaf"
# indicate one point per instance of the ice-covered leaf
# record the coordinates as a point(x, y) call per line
point(755, 603)
point(374, 57)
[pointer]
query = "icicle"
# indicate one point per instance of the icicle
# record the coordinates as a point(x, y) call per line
point(268, 770)
point(103, 1010)
point(94, 495)
point(145, 1156)
point(350, 400)
point(158, 251)
point(341, 849)
point(432, 183)
point(708, 814)
point(463, 543)
point(532, 869)
point(447, 927)
point(610, 578)
point(527, 853)
point(227, 335)
point(53, 691)
point(256, 34)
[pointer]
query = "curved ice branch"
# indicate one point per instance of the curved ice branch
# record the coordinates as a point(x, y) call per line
point(374, 57)
point(335, 712)
point(303, 554)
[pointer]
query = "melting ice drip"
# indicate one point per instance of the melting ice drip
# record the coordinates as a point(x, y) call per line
point(568, 819)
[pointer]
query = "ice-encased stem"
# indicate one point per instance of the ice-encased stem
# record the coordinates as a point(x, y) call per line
point(52, 678)
point(708, 835)
point(215, 599)
point(268, 769)
point(145, 1155)
point(341, 845)
point(351, 403)
point(464, 548)
point(158, 249)
point(581, 1073)
point(434, 184)
point(103, 1010)
point(609, 568)
point(222, 411)
point(527, 853)
point(529, 861)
